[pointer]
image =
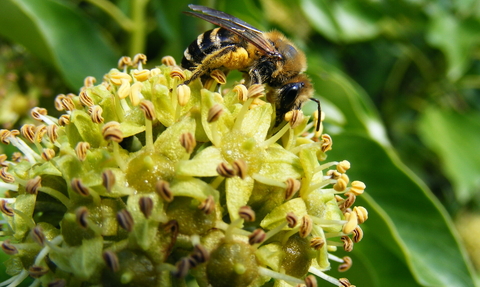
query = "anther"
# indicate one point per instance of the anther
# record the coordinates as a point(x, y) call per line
point(17, 156)
point(208, 205)
point(141, 75)
point(242, 92)
point(183, 94)
point(257, 236)
point(347, 243)
point(52, 133)
point(352, 222)
point(224, 169)
point(178, 73)
point(95, 113)
point(162, 187)
point(57, 283)
point(240, 166)
point(182, 268)
point(311, 281)
point(33, 185)
point(125, 220)
point(292, 219)
point(9, 248)
point(347, 202)
point(357, 187)
point(357, 234)
point(306, 226)
point(40, 131)
point(67, 104)
point(4, 135)
point(343, 166)
point(214, 113)
point(139, 59)
point(89, 82)
point(28, 132)
point(111, 131)
point(333, 174)
point(200, 254)
point(146, 206)
point(256, 91)
point(362, 214)
point(345, 283)
point(111, 260)
point(47, 154)
point(317, 243)
point(37, 113)
point(187, 140)
point(219, 76)
point(294, 117)
point(172, 227)
point(85, 99)
point(293, 186)
point(347, 263)
point(340, 185)
point(81, 215)
point(6, 176)
point(149, 110)
point(64, 120)
point(79, 187)
point(124, 62)
point(247, 213)
point(81, 150)
point(169, 61)
point(326, 143)
point(7, 210)
point(36, 271)
point(38, 235)
point(108, 179)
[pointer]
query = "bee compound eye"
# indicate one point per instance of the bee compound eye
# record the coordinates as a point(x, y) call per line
point(289, 93)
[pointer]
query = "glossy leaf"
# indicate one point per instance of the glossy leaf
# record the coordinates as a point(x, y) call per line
point(59, 34)
point(455, 138)
point(407, 220)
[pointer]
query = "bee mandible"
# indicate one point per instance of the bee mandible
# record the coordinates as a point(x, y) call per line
point(266, 57)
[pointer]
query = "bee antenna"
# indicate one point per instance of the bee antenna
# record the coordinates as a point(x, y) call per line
point(319, 109)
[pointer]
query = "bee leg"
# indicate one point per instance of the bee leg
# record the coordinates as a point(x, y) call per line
point(255, 77)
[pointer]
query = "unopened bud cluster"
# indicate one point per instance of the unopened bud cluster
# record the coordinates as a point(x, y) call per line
point(145, 181)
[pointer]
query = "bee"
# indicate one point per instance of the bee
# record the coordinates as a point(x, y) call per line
point(265, 57)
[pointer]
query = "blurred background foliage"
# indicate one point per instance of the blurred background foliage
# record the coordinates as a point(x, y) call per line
point(399, 83)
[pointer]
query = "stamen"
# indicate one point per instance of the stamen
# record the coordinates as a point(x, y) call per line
point(200, 254)
point(57, 283)
point(178, 74)
point(37, 271)
point(125, 220)
point(81, 150)
point(362, 213)
point(89, 82)
point(279, 276)
point(182, 268)
point(38, 235)
point(242, 92)
point(96, 114)
point(293, 186)
point(311, 281)
point(326, 142)
point(352, 222)
point(295, 118)
point(111, 131)
point(85, 99)
point(33, 185)
point(81, 215)
point(187, 140)
point(183, 95)
point(306, 226)
point(257, 236)
point(345, 283)
point(136, 95)
point(162, 187)
point(79, 187)
point(5, 176)
point(64, 120)
point(292, 219)
point(340, 185)
point(347, 243)
point(240, 166)
point(141, 75)
point(214, 113)
point(111, 260)
point(208, 205)
point(146, 206)
point(47, 154)
point(346, 265)
point(108, 179)
point(256, 91)
point(9, 248)
point(219, 76)
point(124, 62)
point(357, 187)
point(224, 170)
point(169, 61)
point(7, 210)
point(317, 243)
point(343, 166)
point(247, 213)
point(357, 234)
point(138, 60)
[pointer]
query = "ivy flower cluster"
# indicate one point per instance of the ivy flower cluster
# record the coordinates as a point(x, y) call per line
point(145, 181)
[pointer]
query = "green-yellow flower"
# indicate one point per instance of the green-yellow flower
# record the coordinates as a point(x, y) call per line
point(144, 181)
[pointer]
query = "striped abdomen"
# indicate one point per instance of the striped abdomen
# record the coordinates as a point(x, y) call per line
point(209, 43)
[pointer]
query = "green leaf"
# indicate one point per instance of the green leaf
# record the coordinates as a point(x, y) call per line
point(456, 38)
point(341, 21)
point(455, 138)
point(59, 34)
point(405, 220)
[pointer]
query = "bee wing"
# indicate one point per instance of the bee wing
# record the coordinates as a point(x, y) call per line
point(237, 26)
